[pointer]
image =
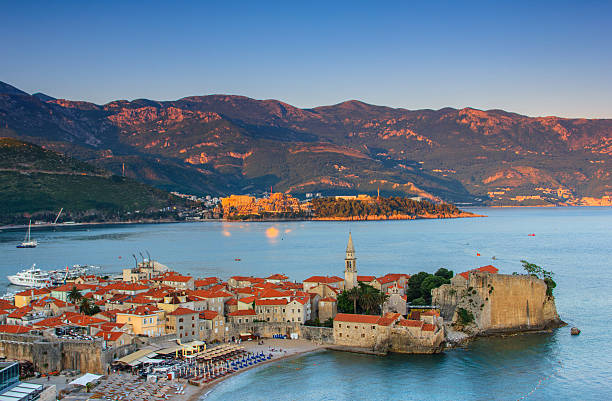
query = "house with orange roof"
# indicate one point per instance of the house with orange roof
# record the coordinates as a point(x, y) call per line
point(205, 283)
point(275, 294)
point(185, 323)
point(145, 320)
point(113, 339)
point(298, 310)
point(231, 305)
point(246, 303)
point(243, 281)
point(242, 316)
point(212, 326)
point(53, 307)
point(24, 298)
point(393, 279)
point(324, 291)
point(177, 281)
point(271, 310)
point(25, 316)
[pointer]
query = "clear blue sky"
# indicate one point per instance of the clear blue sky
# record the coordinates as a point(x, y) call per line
point(535, 58)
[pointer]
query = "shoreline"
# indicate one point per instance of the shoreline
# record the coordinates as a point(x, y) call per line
point(201, 392)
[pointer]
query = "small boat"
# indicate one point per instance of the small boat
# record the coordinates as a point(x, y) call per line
point(237, 259)
point(27, 241)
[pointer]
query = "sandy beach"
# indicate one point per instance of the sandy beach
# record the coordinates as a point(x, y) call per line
point(280, 349)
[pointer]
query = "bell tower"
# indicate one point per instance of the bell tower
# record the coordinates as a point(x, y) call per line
point(350, 265)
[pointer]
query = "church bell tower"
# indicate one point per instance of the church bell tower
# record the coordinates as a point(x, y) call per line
point(350, 265)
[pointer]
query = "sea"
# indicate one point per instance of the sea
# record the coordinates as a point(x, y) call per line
point(574, 243)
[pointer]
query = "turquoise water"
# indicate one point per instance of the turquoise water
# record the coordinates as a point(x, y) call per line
point(573, 242)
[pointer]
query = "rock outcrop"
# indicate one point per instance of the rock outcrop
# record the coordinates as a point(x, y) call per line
point(488, 303)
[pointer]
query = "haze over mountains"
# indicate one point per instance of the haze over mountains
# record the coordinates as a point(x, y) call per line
point(223, 144)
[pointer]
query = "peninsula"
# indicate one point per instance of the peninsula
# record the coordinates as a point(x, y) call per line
point(188, 331)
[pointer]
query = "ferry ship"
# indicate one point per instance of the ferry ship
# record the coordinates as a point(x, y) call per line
point(32, 277)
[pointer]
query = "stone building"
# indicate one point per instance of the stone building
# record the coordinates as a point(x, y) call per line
point(242, 316)
point(328, 308)
point(212, 326)
point(271, 310)
point(389, 332)
point(185, 323)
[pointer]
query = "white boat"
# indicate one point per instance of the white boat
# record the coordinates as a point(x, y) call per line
point(27, 241)
point(32, 277)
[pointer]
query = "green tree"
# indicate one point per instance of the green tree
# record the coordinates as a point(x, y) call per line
point(85, 306)
point(419, 301)
point(354, 295)
point(444, 273)
point(537, 271)
point(414, 285)
point(74, 295)
point(429, 284)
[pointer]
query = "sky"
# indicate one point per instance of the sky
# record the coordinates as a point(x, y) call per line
point(536, 58)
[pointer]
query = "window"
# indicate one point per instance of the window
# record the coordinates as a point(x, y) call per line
point(339, 334)
point(181, 319)
point(373, 327)
point(362, 335)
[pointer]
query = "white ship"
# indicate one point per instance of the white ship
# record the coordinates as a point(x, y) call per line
point(32, 277)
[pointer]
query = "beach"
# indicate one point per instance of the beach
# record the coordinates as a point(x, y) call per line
point(279, 349)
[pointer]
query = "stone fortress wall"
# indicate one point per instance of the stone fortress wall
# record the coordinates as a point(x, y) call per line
point(54, 355)
point(498, 303)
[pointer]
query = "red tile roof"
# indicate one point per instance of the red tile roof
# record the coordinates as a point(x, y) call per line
point(208, 314)
point(277, 276)
point(247, 300)
point(232, 301)
point(271, 293)
point(428, 327)
point(411, 323)
point(366, 279)
point(142, 310)
point(323, 279)
point(328, 299)
point(206, 281)
point(387, 278)
point(84, 320)
point(353, 318)
point(34, 291)
point(282, 301)
point(182, 311)
point(487, 269)
point(14, 329)
point(109, 335)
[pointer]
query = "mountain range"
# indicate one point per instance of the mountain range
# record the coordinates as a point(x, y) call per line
point(222, 144)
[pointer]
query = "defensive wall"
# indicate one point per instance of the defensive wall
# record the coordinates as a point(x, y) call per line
point(53, 355)
point(498, 303)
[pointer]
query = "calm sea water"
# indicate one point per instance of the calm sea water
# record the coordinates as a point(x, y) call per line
point(575, 243)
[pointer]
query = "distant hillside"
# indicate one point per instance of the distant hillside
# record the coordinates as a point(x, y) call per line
point(223, 144)
point(34, 180)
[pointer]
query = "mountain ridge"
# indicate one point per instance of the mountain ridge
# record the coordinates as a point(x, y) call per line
point(234, 144)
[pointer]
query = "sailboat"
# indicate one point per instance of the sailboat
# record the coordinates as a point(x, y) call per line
point(27, 241)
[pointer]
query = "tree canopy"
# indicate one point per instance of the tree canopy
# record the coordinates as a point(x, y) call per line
point(421, 284)
point(363, 299)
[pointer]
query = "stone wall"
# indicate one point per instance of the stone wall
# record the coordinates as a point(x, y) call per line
point(498, 303)
point(57, 355)
point(269, 329)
